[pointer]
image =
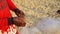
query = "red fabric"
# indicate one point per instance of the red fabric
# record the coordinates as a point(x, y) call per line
point(4, 27)
point(3, 24)
point(11, 5)
point(5, 6)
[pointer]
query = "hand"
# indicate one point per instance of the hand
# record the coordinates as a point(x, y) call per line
point(19, 21)
point(19, 13)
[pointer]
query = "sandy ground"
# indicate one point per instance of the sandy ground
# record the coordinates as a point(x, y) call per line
point(45, 26)
point(39, 11)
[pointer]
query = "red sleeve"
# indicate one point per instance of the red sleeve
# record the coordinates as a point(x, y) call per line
point(11, 5)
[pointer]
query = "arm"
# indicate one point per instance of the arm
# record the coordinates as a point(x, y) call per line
point(17, 21)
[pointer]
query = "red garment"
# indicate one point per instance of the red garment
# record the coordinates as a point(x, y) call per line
point(11, 5)
point(5, 6)
point(5, 28)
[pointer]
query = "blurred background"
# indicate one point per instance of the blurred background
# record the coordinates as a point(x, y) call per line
point(36, 10)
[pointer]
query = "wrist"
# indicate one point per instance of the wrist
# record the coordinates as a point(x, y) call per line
point(10, 21)
point(16, 10)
